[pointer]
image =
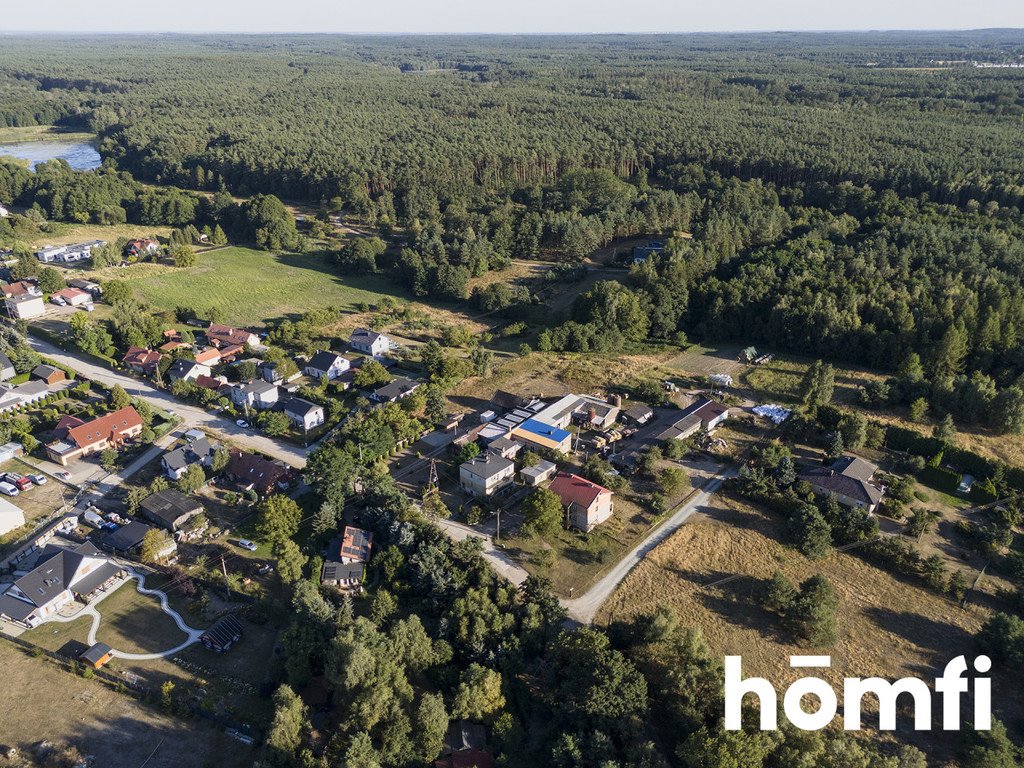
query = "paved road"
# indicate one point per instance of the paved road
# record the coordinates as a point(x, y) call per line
point(499, 561)
point(585, 607)
point(192, 416)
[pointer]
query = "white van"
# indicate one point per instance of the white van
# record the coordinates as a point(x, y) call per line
point(8, 489)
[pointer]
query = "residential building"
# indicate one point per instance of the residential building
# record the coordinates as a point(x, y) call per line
point(210, 356)
point(395, 390)
point(505, 447)
point(48, 373)
point(21, 288)
point(252, 471)
point(176, 462)
point(7, 370)
point(226, 336)
point(486, 474)
point(66, 254)
point(139, 246)
point(543, 435)
point(587, 504)
point(538, 473)
point(187, 370)
point(86, 285)
point(142, 360)
point(170, 509)
point(304, 414)
point(59, 576)
point(25, 306)
point(213, 383)
point(77, 438)
point(705, 414)
point(260, 395)
point(73, 297)
point(12, 398)
point(370, 342)
point(346, 558)
point(849, 479)
point(329, 364)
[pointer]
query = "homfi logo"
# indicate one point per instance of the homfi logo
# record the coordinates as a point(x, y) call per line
point(951, 686)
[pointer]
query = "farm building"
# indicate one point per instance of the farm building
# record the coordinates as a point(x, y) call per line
point(705, 414)
point(225, 632)
point(169, 509)
point(543, 435)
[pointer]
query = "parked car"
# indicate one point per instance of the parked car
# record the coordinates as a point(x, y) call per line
point(24, 484)
point(89, 307)
point(59, 301)
point(8, 489)
point(12, 477)
point(62, 474)
point(242, 423)
point(38, 479)
point(246, 544)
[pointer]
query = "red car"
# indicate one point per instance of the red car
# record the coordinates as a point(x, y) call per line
point(23, 483)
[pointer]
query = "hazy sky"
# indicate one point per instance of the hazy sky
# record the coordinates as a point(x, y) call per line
point(431, 16)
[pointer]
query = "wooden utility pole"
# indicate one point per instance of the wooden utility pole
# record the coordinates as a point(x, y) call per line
point(227, 583)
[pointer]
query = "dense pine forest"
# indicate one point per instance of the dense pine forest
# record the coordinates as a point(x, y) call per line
point(859, 197)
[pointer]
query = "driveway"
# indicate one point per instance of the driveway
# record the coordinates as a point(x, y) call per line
point(192, 416)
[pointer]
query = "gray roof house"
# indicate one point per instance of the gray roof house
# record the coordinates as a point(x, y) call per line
point(257, 394)
point(370, 342)
point(6, 368)
point(395, 390)
point(848, 479)
point(304, 414)
point(199, 451)
point(329, 364)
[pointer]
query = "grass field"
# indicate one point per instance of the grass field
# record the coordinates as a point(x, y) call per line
point(65, 234)
point(878, 633)
point(38, 701)
point(9, 135)
point(252, 287)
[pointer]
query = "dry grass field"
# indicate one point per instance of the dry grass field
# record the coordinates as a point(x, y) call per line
point(39, 701)
point(886, 626)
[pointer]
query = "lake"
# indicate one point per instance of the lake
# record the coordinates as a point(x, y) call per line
point(81, 155)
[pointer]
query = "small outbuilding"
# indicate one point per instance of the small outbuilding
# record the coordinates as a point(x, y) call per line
point(225, 632)
point(97, 655)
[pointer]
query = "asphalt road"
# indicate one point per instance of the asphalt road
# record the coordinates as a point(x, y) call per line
point(192, 416)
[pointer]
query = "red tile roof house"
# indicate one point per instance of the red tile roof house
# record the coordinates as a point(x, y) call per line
point(77, 438)
point(141, 360)
point(208, 356)
point(72, 296)
point(587, 503)
point(226, 336)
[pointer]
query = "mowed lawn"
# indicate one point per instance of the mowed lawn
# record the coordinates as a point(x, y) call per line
point(252, 287)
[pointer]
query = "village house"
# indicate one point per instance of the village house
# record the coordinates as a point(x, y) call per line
point(59, 576)
point(86, 285)
point(127, 540)
point(486, 474)
point(705, 414)
point(506, 447)
point(543, 435)
point(587, 504)
point(225, 336)
point(260, 395)
point(253, 472)
point(395, 390)
point(142, 360)
point(346, 558)
point(849, 479)
point(304, 414)
point(209, 357)
point(139, 246)
point(329, 364)
point(77, 438)
point(7, 370)
point(170, 509)
point(199, 451)
point(21, 288)
point(72, 297)
point(25, 306)
point(67, 254)
point(187, 370)
point(370, 342)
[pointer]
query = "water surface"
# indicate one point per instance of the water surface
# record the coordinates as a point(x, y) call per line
point(81, 155)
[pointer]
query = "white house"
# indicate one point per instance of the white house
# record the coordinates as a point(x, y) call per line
point(329, 364)
point(25, 306)
point(255, 394)
point(486, 474)
point(304, 414)
point(370, 342)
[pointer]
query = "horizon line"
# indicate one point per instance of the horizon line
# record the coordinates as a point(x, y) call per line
point(766, 30)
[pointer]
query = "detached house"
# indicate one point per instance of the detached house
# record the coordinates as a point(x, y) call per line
point(24, 306)
point(139, 246)
point(199, 451)
point(849, 479)
point(260, 395)
point(254, 472)
point(142, 360)
point(72, 297)
point(587, 504)
point(705, 414)
point(346, 558)
point(79, 438)
point(486, 474)
point(226, 336)
point(60, 575)
point(395, 390)
point(304, 414)
point(370, 342)
point(329, 364)
point(209, 357)
point(187, 370)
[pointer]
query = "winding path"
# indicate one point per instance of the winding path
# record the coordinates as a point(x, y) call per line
point(92, 612)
